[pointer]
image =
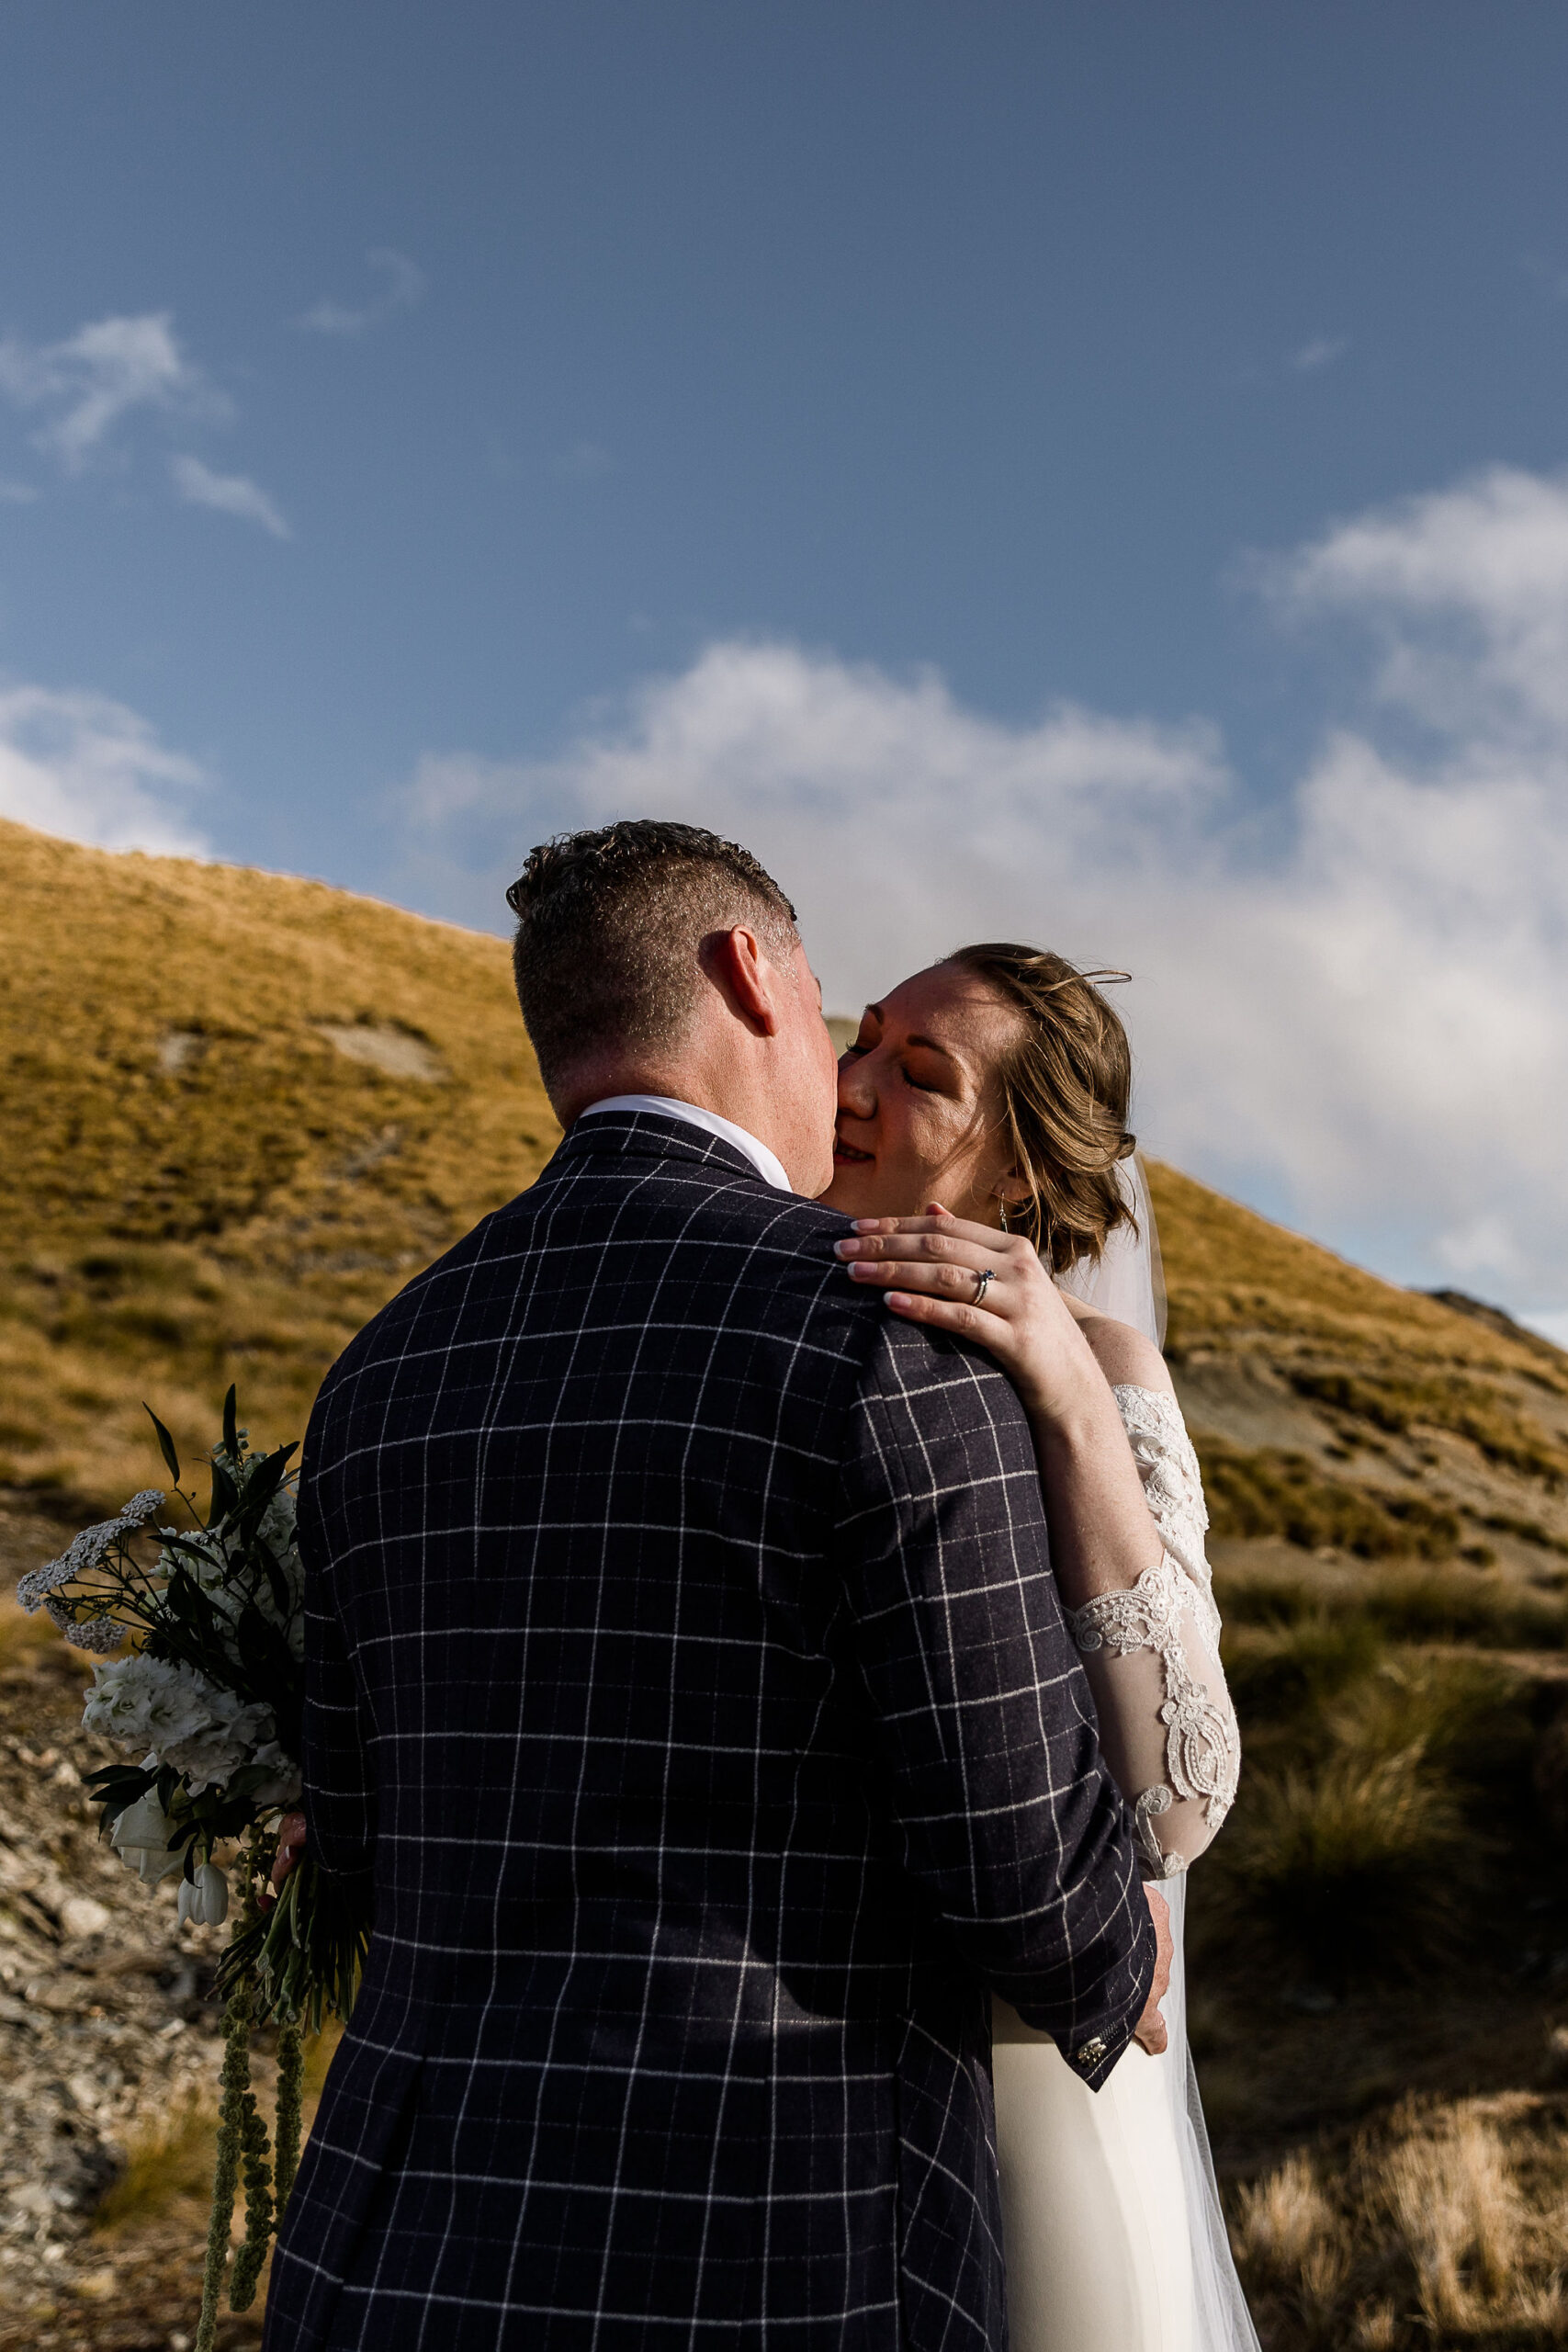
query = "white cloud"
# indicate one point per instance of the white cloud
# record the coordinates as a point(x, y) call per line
point(84, 386)
point(1367, 1016)
point(1321, 352)
point(402, 288)
point(228, 493)
point(92, 771)
point(16, 493)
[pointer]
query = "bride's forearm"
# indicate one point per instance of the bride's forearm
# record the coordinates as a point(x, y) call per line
point(1102, 1537)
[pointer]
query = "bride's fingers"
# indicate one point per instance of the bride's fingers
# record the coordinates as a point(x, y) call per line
point(938, 1220)
point(947, 1315)
point(947, 1281)
point(946, 1244)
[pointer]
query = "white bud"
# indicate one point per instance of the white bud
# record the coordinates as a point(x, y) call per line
point(188, 1904)
point(212, 1890)
point(140, 1837)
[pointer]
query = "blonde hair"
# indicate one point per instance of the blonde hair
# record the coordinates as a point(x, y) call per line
point(1066, 1085)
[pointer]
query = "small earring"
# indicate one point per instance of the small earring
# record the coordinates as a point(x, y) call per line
point(1003, 1206)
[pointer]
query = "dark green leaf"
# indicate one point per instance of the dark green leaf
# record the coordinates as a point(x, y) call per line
point(166, 1444)
point(230, 1426)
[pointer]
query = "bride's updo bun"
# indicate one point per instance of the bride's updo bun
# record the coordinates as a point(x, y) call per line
point(1066, 1087)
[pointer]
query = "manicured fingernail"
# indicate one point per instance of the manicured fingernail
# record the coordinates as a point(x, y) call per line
point(899, 1298)
point(845, 1248)
point(866, 1224)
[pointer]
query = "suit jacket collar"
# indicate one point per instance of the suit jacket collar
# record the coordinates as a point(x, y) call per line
point(646, 1134)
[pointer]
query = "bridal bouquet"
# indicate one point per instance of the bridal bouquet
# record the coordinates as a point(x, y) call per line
point(209, 1695)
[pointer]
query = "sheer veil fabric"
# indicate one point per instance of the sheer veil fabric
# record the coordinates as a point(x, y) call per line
point(1128, 1283)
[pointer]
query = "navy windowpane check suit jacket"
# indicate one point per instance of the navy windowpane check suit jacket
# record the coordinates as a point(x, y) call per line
point(685, 1670)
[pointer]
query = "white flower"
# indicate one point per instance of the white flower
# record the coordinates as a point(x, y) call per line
point(87, 1549)
point(140, 1837)
point(205, 1904)
point(210, 1754)
point(284, 1786)
point(182, 1718)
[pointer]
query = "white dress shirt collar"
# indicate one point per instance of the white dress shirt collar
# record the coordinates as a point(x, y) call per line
point(769, 1167)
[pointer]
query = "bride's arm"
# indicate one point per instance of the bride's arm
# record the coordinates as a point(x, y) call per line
point(1101, 1404)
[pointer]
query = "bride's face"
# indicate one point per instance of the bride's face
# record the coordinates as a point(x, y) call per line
point(919, 1105)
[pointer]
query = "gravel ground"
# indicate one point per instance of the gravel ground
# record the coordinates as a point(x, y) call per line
point(108, 2037)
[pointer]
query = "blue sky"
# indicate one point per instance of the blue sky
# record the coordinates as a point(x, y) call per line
point(1088, 472)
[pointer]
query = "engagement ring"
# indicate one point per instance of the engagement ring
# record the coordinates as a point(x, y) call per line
point(983, 1282)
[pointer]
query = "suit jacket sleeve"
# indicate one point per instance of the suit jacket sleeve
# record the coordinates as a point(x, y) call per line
point(340, 1780)
point(985, 1724)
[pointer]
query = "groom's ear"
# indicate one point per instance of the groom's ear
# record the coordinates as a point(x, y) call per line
point(737, 964)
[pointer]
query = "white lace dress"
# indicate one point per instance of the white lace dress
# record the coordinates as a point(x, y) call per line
point(1113, 2237)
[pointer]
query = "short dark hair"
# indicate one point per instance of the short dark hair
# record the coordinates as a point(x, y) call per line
point(609, 923)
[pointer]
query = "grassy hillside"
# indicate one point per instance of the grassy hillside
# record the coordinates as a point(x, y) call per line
point(240, 1111)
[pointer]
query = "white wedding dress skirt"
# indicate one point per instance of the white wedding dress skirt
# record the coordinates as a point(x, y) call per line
point(1112, 2228)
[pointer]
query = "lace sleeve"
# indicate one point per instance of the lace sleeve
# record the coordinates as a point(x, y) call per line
point(1152, 1651)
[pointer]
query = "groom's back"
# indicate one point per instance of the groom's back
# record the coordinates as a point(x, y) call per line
point(685, 1667)
point(645, 1958)
point(572, 1494)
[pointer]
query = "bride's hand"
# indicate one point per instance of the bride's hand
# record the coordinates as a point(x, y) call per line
point(290, 1847)
point(932, 1268)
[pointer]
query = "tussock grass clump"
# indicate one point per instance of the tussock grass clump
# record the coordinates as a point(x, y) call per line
point(1469, 1407)
point(1441, 2224)
point(1456, 1604)
point(1451, 1602)
point(1308, 1657)
point(1276, 1492)
point(167, 2161)
point(1335, 1863)
point(1368, 1765)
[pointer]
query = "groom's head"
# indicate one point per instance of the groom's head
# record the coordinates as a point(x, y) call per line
point(654, 957)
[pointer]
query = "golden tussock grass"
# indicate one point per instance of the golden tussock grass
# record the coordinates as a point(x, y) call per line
point(1442, 2223)
point(240, 1112)
point(167, 2160)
